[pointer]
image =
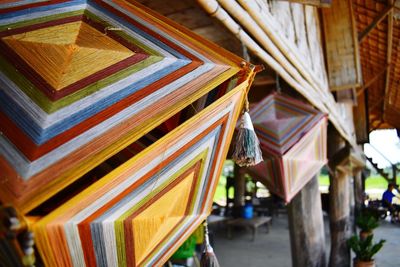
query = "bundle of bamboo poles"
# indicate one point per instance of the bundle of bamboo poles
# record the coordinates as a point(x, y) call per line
point(249, 21)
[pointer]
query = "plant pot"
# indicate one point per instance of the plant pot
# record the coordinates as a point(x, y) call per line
point(365, 234)
point(358, 263)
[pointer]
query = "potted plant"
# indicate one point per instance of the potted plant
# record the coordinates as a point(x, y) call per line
point(364, 250)
point(366, 223)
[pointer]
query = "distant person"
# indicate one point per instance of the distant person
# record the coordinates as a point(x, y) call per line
point(387, 202)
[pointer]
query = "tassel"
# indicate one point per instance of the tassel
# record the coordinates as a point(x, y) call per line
point(247, 150)
point(208, 258)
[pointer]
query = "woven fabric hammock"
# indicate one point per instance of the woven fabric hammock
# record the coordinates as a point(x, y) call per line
point(293, 140)
point(141, 212)
point(81, 80)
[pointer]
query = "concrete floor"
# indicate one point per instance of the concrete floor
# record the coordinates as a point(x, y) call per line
point(273, 249)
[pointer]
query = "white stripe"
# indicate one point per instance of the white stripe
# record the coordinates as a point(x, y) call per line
point(110, 250)
point(83, 214)
point(46, 120)
point(27, 169)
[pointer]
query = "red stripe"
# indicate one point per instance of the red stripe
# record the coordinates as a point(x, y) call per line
point(40, 25)
point(41, 84)
point(33, 151)
point(16, 8)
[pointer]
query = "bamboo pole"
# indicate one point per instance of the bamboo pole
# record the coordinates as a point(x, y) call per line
point(267, 23)
point(213, 8)
point(278, 48)
point(313, 95)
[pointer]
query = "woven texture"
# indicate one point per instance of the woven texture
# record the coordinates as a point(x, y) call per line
point(80, 80)
point(293, 140)
point(141, 212)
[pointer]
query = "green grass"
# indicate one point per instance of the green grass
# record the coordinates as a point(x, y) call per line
point(220, 191)
point(324, 180)
point(372, 182)
point(377, 182)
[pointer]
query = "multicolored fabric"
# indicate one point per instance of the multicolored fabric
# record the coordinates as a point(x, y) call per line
point(80, 80)
point(280, 122)
point(293, 140)
point(141, 212)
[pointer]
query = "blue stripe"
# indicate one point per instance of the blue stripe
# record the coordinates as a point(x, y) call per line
point(48, 7)
point(39, 135)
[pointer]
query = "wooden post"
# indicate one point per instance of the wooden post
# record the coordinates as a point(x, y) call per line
point(239, 190)
point(307, 236)
point(339, 208)
point(353, 228)
point(358, 193)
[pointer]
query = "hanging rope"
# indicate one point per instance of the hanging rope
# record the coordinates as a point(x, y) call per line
point(247, 150)
point(208, 258)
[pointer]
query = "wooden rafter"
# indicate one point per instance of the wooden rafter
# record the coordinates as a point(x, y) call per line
point(375, 22)
point(388, 54)
point(377, 103)
point(371, 81)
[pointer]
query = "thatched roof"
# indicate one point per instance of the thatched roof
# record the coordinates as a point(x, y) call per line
point(379, 39)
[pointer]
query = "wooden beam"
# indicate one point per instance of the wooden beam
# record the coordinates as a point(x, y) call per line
point(377, 103)
point(306, 226)
point(360, 118)
point(371, 81)
point(338, 157)
point(388, 56)
point(374, 23)
point(264, 81)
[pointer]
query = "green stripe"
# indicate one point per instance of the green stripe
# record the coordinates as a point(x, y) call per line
point(123, 35)
point(25, 23)
point(119, 223)
point(48, 106)
point(51, 106)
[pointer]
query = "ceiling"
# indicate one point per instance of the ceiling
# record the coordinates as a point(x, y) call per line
point(378, 28)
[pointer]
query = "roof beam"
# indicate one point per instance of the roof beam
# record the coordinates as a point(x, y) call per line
point(375, 22)
point(388, 55)
point(371, 81)
point(377, 103)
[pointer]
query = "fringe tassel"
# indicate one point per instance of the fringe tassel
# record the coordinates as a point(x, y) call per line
point(247, 150)
point(208, 258)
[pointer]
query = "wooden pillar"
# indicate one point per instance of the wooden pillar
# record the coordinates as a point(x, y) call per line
point(239, 191)
point(307, 236)
point(358, 193)
point(339, 209)
point(352, 205)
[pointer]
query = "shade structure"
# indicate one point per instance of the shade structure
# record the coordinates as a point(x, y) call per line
point(142, 211)
point(81, 80)
point(293, 140)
